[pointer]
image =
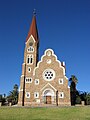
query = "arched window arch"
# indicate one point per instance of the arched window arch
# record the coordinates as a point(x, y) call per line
point(30, 49)
point(30, 59)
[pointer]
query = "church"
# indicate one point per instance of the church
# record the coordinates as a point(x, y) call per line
point(42, 82)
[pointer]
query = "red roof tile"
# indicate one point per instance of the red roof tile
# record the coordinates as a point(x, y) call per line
point(33, 30)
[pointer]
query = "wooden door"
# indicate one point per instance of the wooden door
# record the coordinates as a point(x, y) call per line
point(48, 99)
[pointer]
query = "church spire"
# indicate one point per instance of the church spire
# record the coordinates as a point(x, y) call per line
point(33, 28)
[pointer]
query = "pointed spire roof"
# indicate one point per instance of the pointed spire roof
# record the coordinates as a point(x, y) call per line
point(33, 29)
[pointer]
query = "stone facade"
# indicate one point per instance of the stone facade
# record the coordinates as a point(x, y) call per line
point(42, 82)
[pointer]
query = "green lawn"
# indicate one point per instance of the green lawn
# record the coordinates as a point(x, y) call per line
point(63, 113)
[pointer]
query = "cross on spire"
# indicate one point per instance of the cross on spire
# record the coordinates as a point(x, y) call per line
point(34, 12)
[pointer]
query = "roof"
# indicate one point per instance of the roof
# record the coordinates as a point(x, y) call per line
point(33, 30)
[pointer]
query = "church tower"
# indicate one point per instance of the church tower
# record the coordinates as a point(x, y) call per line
point(30, 62)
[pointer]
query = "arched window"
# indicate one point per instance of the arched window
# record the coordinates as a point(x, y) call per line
point(36, 94)
point(28, 80)
point(30, 59)
point(61, 95)
point(30, 49)
point(27, 94)
point(36, 81)
point(60, 81)
point(29, 69)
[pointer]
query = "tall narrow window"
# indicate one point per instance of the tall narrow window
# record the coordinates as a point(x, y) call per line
point(30, 59)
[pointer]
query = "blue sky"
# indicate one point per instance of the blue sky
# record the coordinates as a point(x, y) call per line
point(63, 25)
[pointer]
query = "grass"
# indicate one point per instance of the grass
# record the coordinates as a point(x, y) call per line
point(60, 113)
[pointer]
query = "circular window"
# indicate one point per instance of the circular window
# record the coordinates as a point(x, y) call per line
point(49, 61)
point(31, 43)
point(49, 53)
point(49, 74)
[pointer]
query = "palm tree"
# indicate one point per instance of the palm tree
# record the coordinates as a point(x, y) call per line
point(15, 88)
point(73, 80)
point(13, 95)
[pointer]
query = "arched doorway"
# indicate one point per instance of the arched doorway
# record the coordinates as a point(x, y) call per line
point(48, 96)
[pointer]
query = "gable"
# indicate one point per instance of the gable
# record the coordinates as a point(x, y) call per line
point(48, 85)
point(49, 61)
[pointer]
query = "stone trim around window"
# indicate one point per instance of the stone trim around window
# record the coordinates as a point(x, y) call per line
point(48, 74)
point(36, 94)
point(29, 69)
point(27, 94)
point(36, 81)
point(28, 80)
point(61, 95)
point(29, 59)
point(30, 49)
point(60, 81)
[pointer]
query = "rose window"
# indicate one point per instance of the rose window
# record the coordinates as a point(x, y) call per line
point(49, 74)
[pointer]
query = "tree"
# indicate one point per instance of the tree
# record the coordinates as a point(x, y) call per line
point(15, 88)
point(0, 98)
point(85, 96)
point(73, 81)
point(3, 99)
point(87, 99)
point(13, 95)
point(78, 98)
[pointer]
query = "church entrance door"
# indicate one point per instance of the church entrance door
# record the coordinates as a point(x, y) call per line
point(48, 99)
point(48, 96)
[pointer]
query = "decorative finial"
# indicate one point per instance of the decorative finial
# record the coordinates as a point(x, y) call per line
point(34, 12)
